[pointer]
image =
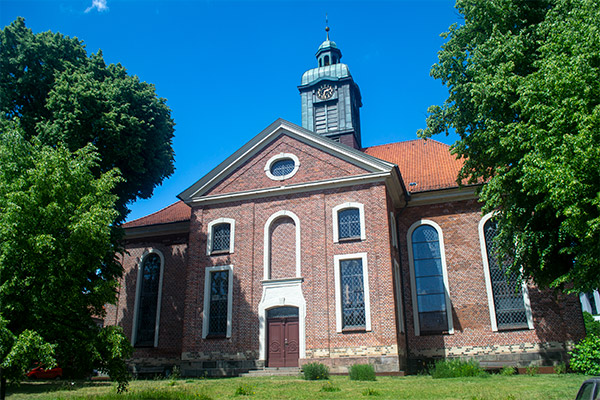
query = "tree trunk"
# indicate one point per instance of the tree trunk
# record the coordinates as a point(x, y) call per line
point(2, 386)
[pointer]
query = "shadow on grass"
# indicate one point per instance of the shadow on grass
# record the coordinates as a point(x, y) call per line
point(37, 387)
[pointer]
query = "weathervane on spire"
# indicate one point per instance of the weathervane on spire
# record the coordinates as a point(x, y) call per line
point(327, 26)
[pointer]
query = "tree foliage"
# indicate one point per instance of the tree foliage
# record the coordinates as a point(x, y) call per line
point(57, 256)
point(524, 97)
point(61, 95)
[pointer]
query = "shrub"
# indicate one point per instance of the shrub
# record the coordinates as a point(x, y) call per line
point(315, 371)
point(456, 368)
point(370, 392)
point(244, 390)
point(328, 387)
point(362, 372)
point(560, 368)
point(532, 370)
point(592, 327)
point(507, 370)
point(585, 357)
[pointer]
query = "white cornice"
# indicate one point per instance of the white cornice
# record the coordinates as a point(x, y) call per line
point(443, 195)
point(289, 189)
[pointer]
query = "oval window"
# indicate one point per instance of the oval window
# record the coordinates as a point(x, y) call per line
point(282, 167)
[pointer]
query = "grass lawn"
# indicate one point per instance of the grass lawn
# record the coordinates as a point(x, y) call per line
point(495, 387)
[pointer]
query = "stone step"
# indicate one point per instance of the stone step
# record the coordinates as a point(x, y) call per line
point(281, 371)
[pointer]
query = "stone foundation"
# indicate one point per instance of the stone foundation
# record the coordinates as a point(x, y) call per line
point(151, 367)
point(384, 359)
point(497, 356)
point(219, 368)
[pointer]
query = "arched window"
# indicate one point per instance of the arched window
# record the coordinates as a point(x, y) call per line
point(429, 279)
point(348, 222)
point(508, 299)
point(218, 302)
point(147, 312)
point(326, 60)
point(221, 233)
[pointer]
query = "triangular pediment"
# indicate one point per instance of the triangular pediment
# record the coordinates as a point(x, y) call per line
point(321, 162)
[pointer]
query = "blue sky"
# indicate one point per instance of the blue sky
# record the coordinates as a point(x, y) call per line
point(230, 68)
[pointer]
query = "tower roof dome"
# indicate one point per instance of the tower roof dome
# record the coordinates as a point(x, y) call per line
point(327, 44)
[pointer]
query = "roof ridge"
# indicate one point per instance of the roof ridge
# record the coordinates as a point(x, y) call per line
point(406, 141)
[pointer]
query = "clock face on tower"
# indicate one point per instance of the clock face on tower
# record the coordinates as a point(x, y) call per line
point(325, 92)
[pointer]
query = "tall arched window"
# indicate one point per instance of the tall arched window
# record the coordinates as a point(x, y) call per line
point(148, 301)
point(508, 299)
point(429, 279)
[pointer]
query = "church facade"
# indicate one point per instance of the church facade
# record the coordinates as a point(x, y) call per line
point(303, 246)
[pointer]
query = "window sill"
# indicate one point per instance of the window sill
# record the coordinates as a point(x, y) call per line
point(513, 328)
point(219, 252)
point(357, 329)
point(216, 336)
point(350, 239)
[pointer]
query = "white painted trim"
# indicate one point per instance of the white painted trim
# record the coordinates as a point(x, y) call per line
point(138, 293)
point(206, 311)
point(443, 195)
point(488, 280)
point(486, 272)
point(338, 290)
point(399, 299)
point(282, 156)
point(267, 242)
point(413, 284)
point(209, 233)
point(277, 293)
point(294, 188)
point(344, 206)
point(394, 229)
point(269, 134)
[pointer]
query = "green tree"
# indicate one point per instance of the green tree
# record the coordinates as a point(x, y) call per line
point(61, 95)
point(58, 264)
point(524, 98)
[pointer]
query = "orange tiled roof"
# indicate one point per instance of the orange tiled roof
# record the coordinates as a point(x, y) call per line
point(424, 164)
point(176, 212)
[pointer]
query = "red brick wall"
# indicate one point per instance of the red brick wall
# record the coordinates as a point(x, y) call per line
point(174, 250)
point(283, 248)
point(314, 211)
point(314, 165)
point(555, 320)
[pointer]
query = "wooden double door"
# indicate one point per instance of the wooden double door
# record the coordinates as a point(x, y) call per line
point(283, 340)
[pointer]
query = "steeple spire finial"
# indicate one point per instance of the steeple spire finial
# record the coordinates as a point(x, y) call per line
point(326, 26)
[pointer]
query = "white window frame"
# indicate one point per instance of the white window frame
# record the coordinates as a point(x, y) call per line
point(394, 229)
point(413, 283)
point(338, 290)
point(209, 235)
point(206, 312)
point(587, 306)
point(399, 299)
point(335, 220)
point(282, 156)
point(138, 294)
point(488, 281)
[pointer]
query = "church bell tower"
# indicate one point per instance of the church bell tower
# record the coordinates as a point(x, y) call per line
point(330, 97)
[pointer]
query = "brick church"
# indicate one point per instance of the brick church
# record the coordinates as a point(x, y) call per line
point(304, 246)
